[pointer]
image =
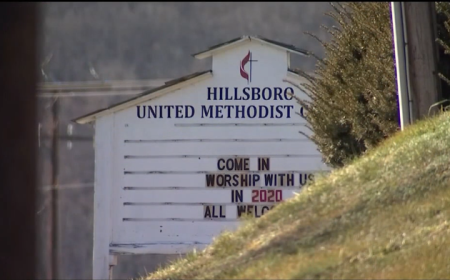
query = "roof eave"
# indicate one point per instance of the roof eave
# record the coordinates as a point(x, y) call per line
point(91, 117)
point(289, 50)
point(293, 75)
point(233, 44)
point(222, 47)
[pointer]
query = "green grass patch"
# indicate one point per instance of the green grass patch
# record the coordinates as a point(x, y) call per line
point(385, 216)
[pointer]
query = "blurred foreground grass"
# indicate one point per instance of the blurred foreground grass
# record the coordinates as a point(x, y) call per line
point(385, 216)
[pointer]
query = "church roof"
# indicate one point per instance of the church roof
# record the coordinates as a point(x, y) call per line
point(240, 40)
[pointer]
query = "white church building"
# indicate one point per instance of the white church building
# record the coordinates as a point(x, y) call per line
point(179, 163)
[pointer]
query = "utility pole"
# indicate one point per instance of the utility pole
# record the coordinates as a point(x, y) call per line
point(403, 90)
point(414, 29)
point(422, 55)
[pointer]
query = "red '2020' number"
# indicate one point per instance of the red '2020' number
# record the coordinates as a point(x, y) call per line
point(267, 195)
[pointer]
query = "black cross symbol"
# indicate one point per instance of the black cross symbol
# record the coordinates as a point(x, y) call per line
point(251, 61)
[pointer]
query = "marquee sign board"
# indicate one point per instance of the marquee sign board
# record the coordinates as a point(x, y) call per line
point(183, 162)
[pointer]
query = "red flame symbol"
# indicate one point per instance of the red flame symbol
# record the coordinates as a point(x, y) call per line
point(244, 61)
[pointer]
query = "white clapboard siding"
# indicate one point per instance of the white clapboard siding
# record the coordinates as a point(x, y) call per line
point(193, 196)
point(220, 116)
point(156, 248)
point(295, 120)
point(211, 164)
point(136, 232)
point(218, 149)
point(186, 180)
point(153, 213)
point(192, 212)
point(186, 124)
point(151, 193)
point(145, 131)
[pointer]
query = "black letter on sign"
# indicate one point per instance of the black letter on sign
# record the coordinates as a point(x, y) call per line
point(241, 209)
point(221, 160)
point(206, 212)
point(222, 211)
point(303, 179)
point(139, 112)
point(210, 180)
point(236, 196)
point(214, 211)
point(263, 164)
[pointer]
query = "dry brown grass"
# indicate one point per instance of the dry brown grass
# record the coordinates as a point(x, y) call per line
point(385, 216)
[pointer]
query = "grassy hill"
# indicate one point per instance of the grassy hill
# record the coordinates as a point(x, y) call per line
point(386, 215)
